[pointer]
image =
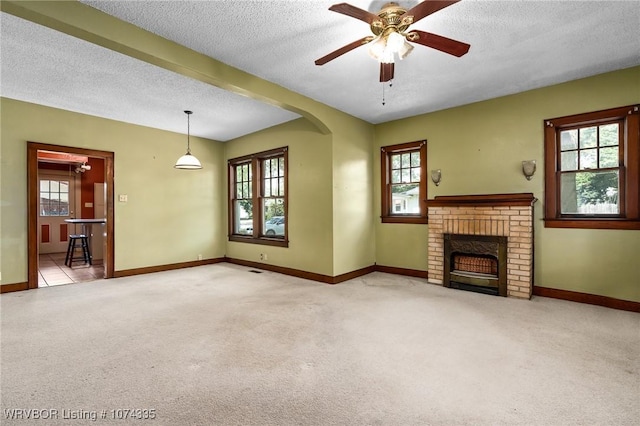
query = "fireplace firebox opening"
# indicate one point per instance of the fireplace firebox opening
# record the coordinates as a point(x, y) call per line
point(476, 263)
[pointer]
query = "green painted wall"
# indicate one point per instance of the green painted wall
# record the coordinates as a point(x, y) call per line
point(334, 186)
point(480, 147)
point(353, 217)
point(309, 227)
point(330, 218)
point(172, 215)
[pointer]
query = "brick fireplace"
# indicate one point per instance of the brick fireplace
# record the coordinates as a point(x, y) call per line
point(500, 217)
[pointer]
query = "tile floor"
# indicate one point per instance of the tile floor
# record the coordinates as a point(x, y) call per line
point(52, 270)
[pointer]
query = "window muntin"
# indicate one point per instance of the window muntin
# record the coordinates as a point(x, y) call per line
point(589, 167)
point(592, 170)
point(54, 197)
point(404, 185)
point(258, 198)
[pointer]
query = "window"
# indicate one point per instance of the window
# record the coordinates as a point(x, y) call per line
point(258, 198)
point(591, 170)
point(54, 197)
point(404, 183)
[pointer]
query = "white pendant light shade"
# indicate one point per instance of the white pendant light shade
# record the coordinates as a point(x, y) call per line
point(188, 161)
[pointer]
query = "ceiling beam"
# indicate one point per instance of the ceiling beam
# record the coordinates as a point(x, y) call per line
point(87, 23)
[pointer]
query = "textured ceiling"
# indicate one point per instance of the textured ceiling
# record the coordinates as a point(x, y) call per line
point(46, 67)
point(515, 46)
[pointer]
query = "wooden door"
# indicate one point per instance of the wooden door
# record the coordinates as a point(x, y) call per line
point(57, 195)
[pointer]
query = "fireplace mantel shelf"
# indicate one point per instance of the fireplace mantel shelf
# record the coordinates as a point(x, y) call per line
point(488, 200)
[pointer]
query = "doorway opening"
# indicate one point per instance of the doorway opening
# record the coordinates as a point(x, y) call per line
point(70, 196)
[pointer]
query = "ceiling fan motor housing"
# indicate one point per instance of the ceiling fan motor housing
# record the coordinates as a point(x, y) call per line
point(391, 19)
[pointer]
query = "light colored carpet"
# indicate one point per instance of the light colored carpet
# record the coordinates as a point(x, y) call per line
point(221, 345)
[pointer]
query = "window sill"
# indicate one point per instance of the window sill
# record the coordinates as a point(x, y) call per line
point(405, 219)
point(277, 242)
point(591, 223)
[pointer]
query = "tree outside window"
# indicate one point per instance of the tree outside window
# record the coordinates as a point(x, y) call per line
point(592, 170)
point(590, 165)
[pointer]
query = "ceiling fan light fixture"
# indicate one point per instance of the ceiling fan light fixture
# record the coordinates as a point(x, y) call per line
point(385, 46)
point(395, 41)
point(391, 33)
point(405, 50)
point(387, 57)
point(376, 47)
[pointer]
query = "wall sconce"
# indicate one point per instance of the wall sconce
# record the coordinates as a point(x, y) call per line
point(528, 168)
point(436, 176)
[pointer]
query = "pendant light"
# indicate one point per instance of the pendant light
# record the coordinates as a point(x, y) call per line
point(188, 161)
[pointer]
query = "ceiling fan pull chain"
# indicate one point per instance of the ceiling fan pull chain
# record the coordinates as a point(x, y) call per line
point(383, 92)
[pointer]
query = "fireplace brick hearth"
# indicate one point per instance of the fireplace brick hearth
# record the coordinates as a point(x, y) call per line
point(506, 215)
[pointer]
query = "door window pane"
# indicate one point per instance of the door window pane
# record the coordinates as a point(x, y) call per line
point(64, 204)
point(54, 197)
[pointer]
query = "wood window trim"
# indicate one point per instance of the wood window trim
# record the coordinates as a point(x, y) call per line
point(256, 181)
point(387, 215)
point(630, 175)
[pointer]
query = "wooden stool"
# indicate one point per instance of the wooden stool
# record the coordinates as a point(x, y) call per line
point(84, 244)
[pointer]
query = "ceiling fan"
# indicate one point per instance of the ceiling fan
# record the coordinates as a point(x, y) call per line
point(391, 35)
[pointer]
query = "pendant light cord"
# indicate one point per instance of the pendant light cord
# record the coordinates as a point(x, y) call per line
point(188, 161)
